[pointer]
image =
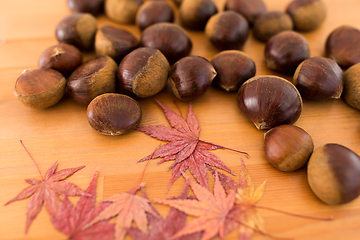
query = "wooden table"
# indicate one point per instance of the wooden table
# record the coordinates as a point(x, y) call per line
point(62, 133)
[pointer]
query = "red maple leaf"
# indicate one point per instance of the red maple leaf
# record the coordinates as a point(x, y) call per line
point(163, 229)
point(47, 192)
point(128, 207)
point(210, 209)
point(71, 220)
point(243, 216)
point(184, 147)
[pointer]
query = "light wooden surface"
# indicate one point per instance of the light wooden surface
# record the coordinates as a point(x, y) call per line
point(62, 133)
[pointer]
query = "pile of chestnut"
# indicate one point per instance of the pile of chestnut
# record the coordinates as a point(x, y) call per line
point(126, 68)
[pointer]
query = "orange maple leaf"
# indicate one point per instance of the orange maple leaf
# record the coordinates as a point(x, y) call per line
point(211, 210)
point(128, 207)
point(246, 198)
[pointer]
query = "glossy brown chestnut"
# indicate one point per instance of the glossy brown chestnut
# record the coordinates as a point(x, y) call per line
point(233, 69)
point(94, 77)
point(334, 174)
point(285, 51)
point(113, 114)
point(249, 9)
point(114, 42)
point(143, 72)
point(269, 101)
point(319, 78)
point(351, 93)
point(152, 12)
point(191, 77)
point(288, 147)
point(271, 23)
point(93, 7)
point(169, 38)
point(227, 30)
point(307, 15)
point(62, 57)
point(343, 46)
point(194, 14)
point(122, 11)
point(77, 29)
point(40, 88)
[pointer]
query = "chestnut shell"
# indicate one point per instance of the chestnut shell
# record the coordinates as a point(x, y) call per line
point(62, 57)
point(94, 7)
point(152, 12)
point(190, 77)
point(269, 101)
point(194, 14)
point(113, 114)
point(343, 46)
point(271, 23)
point(94, 77)
point(233, 68)
point(285, 51)
point(40, 88)
point(114, 42)
point(250, 9)
point(169, 38)
point(334, 174)
point(227, 30)
point(319, 78)
point(288, 147)
point(143, 72)
point(351, 93)
point(307, 15)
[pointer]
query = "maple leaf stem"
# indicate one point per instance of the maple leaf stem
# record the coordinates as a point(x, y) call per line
point(142, 174)
point(230, 149)
point(296, 215)
point(257, 230)
point(32, 160)
point(178, 108)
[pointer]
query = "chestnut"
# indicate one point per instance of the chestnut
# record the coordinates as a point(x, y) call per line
point(269, 101)
point(93, 7)
point(194, 14)
point(190, 77)
point(271, 23)
point(233, 68)
point(92, 78)
point(122, 11)
point(285, 51)
point(114, 42)
point(169, 38)
point(351, 93)
point(319, 78)
point(62, 57)
point(77, 29)
point(152, 12)
point(249, 9)
point(307, 15)
point(40, 88)
point(227, 30)
point(334, 174)
point(288, 147)
point(143, 72)
point(343, 46)
point(113, 114)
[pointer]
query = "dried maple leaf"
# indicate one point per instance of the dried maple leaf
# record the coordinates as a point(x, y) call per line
point(71, 220)
point(128, 207)
point(184, 147)
point(210, 209)
point(47, 191)
point(163, 229)
point(244, 215)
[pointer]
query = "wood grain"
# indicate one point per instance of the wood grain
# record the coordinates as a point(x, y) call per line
point(62, 132)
